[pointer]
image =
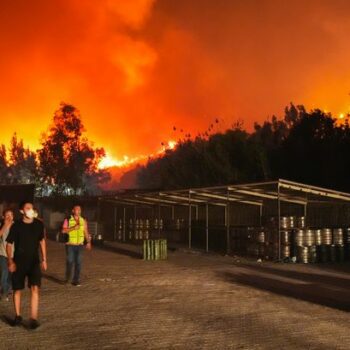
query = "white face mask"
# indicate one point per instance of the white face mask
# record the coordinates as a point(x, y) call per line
point(29, 213)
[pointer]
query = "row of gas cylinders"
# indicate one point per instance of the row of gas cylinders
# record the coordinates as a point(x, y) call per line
point(140, 224)
point(138, 229)
point(323, 253)
point(304, 237)
point(288, 222)
point(325, 236)
point(155, 249)
point(308, 246)
point(309, 254)
point(133, 235)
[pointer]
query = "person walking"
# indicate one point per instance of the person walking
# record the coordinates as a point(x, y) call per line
point(5, 226)
point(76, 229)
point(27, 235)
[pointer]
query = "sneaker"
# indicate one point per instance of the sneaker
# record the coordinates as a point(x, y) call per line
point(17, 321)
point(33, 324)
point(76, 284)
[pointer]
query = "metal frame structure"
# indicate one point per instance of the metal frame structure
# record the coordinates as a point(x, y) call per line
point(253, 194)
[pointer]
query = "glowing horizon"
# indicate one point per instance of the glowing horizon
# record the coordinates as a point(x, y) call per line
point(137, 68)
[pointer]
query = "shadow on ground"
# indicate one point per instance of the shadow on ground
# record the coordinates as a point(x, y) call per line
point(123, 251)
point(53, 278)
point(322, 289)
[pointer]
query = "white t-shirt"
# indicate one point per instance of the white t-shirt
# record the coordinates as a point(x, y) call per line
point(3, 243)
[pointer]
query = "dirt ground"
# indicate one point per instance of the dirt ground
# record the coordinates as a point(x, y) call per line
point(190, 301)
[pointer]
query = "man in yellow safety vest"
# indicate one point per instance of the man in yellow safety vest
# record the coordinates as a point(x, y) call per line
point(76, 229)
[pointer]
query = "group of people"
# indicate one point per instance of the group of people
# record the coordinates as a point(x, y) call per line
point(20, 243)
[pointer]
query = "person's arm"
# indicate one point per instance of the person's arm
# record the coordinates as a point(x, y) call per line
point(10, 240)
point(87, 235)
point(66, 228)
point(43, 254)
point(2, 230)
point(10, 262)
point(4, 227)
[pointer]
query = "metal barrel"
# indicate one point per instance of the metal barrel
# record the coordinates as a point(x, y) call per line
point(323, 253)
point(150, 250)
point(271, 251)
point(161, 249)
point(340, 253)
point(262, 249)
point(273, 236)
point(292, 222)
point(156, 249)
point(312, 254)
point(318, 237)
point(146, 250)
point(307, 255)
point(253, 249)
point(338, 236)
point(301, 222)
point(309, 238)
point(286, 237)
point(285, 222)
point(326, 236)
point(165, 249)
point(299, 238)
point(261, 237)
point(333, 254)
point(303, 254)
point(347, 236)
point(286, 251)
point(347, 252)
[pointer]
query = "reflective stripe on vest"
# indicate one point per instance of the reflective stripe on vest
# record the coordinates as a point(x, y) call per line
point(76, 236)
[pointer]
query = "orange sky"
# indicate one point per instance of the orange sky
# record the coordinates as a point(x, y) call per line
point(136, 68)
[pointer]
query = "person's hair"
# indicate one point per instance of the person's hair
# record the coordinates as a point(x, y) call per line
point(76, 205)
point(23, 203)
point(7, 211)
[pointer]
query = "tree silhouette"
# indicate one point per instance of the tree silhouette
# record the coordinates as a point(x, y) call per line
point(68, 161)
point(4, 169)
point(310, 147)
point(23, 166)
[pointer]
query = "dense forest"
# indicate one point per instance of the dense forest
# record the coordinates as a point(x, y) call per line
point(305, 146)
point(311, 147)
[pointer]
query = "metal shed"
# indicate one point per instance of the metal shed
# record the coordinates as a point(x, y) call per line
point(259, 219)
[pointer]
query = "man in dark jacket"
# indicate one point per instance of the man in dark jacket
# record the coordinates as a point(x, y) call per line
point(27, 235)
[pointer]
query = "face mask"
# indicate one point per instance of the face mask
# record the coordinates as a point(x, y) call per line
point(29, 214)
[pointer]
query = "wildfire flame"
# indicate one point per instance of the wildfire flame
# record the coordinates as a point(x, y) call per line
point(108, 161)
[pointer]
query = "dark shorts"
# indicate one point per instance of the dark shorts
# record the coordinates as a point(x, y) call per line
point(31, 271)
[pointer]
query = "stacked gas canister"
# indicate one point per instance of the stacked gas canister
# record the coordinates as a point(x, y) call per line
point(137, 229)
point(305, 244)
point(322, 245)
